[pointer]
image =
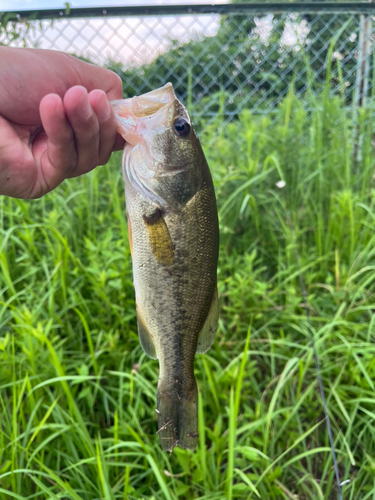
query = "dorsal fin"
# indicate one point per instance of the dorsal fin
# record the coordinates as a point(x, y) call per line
point(207, 335)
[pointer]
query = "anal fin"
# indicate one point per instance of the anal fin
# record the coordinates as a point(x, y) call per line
point(145, 338)
point(207, 335)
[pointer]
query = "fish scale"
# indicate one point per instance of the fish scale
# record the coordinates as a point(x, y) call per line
point(173, 229)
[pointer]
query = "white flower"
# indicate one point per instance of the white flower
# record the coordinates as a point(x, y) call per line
point(281, 184)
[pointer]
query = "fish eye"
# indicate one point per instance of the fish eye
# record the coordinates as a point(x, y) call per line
point(181, 127)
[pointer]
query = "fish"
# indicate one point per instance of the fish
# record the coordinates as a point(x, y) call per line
point(174, 242)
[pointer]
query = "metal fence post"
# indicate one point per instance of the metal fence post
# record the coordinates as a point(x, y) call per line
point(365, 25)
point(361, 88)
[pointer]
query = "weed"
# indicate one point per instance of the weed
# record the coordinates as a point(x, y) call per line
point(77, 395)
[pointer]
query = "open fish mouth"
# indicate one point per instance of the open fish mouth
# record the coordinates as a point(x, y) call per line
point(130, 112)
point(146, 104)
point(150, 103)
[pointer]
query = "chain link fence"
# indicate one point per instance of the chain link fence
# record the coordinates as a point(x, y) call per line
point(221, 59)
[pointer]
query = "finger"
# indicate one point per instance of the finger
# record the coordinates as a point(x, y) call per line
point(60, 72)
point(94, 77)
point(107, 124)
point(60, 157)
point(100, 78)
point(119, 143)
point(85, 126)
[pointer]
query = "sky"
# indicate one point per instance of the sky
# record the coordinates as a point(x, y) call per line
point(18, 5)
point(130, 40)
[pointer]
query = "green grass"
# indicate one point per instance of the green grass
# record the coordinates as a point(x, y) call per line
point(77, 394)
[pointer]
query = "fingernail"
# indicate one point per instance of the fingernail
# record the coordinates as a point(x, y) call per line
point(103, 109)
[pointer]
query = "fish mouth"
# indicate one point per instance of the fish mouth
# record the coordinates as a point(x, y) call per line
point(131, 112)
point(148, 104)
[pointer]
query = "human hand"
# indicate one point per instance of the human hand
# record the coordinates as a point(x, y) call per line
point(55, 119)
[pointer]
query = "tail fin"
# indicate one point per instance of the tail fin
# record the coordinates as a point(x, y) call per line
point(178, 418)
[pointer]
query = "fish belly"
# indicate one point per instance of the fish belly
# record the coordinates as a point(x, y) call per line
point(174, 270)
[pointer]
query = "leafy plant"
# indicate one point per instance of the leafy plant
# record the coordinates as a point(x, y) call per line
point(14, 28)
point(77, 394)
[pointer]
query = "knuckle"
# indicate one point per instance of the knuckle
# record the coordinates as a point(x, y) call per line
point(115, 85)
point(86, 131)
point(66, 136)
point(63, 158)
point(87, 160)
point(117, 82)
point(104, 158)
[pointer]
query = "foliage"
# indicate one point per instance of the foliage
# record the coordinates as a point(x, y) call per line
point(14, 28)
point(77, 394)
point(253, 60)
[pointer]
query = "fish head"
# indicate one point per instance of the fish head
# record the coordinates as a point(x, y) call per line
point(162, 153)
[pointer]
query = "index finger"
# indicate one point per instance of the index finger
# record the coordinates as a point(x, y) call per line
point(27, 75)
point(95, 77)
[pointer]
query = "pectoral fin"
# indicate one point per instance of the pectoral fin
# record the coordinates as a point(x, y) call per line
point(159, 238)
point(207, 334)
point(145, 338)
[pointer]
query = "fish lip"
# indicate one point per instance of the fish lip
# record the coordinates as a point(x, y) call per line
point(163, 94)
point(145, 104)
point(157, 98)
point(133, 113)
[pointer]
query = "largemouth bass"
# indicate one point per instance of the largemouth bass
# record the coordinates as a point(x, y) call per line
point(174, 241)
